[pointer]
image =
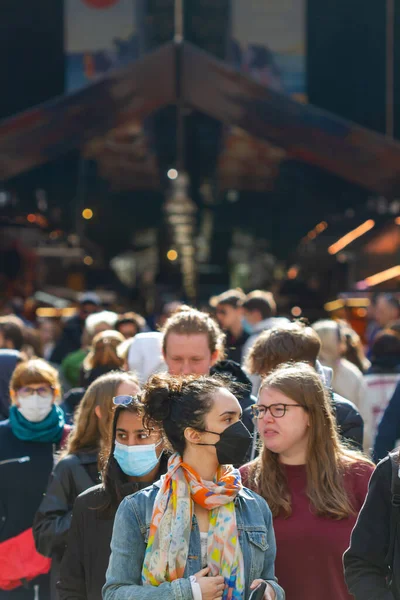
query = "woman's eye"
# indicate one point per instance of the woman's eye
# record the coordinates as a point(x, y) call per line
point(143, 436)
point(122, 436)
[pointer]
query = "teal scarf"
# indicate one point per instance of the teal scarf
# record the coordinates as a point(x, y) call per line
point(48, 430)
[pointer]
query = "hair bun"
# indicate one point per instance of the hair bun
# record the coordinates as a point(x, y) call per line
point(157, 398)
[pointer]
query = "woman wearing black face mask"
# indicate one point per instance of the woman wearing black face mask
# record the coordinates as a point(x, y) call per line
point(132, 461)
point(197, 533)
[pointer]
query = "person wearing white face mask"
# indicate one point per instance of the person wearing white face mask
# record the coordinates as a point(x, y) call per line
point(134, 460)
point(29, 439)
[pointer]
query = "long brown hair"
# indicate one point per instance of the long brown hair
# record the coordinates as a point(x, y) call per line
point(327, 458)
point(90, 432)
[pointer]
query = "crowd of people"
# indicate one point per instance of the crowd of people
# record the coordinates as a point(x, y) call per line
point(230, 451)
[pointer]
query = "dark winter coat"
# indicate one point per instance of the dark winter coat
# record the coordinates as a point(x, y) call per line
point(364, 561)
point(349, 421)
point(70, 339)
point(22, 486)
point(389, 427)
point(71, 476)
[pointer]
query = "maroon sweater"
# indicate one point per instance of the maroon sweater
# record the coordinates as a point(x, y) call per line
point(310, 548)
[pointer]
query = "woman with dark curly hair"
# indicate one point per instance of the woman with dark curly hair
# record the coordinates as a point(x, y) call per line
point(197, 533)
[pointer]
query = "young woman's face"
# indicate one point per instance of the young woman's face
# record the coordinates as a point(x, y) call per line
point(286, 435)
point(225, 411)
point(131, 432)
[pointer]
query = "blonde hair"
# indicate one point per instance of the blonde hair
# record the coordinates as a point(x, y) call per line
point(327, 458)
point(90, 432)
point(103, 351)
point(189, 321)
point(35, 371)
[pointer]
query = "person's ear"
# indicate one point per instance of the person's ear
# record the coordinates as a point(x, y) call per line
point(97, 412)
point(192, 435)
point(214, 357)
point(56, 393)
point(13, 397)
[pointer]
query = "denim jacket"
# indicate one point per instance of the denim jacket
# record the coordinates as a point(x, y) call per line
point(130, 535)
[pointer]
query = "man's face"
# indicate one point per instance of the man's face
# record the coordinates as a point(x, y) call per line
point(188, 354)
point(86, 309)
point(228, 316)
point(385, 312)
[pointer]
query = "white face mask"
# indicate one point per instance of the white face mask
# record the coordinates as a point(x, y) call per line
point(35, 408)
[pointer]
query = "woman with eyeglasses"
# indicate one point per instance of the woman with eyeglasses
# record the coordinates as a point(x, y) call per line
point(133, 460)
point(78, 468)
point(196, 533)
point(314, 485)
point(29, 439)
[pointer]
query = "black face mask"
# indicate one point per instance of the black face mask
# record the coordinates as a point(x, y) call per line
point(233, 444)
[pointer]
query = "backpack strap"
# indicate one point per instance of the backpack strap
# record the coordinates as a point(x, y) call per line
point(395, 511)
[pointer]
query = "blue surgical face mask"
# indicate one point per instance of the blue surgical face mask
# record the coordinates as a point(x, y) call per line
point(247, 327)
point(136, 461)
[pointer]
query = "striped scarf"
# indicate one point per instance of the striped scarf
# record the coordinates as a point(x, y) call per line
point(171, 523)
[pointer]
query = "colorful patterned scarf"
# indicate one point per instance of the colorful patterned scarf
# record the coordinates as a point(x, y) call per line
point(171, 524)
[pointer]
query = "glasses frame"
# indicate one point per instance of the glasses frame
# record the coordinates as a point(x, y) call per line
point(255, 407)
point(32, 390)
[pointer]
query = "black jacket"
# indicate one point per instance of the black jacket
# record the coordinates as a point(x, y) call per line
point(349, 421)
point(22, 485)
point(85, 562)
point(71, 476)
point(364, 561)
point(70, 339)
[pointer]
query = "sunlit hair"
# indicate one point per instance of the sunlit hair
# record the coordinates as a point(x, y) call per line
point(189, 321)
point(290, 342)
point(90, 432)
point(327, 458)
point(175, 403)
point(103, 351)
point(34, 371)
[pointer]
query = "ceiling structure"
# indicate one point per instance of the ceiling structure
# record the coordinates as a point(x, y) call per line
point(111, 121)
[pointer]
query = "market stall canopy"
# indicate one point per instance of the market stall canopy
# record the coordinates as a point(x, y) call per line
point(125, 97)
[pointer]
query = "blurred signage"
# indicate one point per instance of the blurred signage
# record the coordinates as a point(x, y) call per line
point(99, 34)
point(268, 42)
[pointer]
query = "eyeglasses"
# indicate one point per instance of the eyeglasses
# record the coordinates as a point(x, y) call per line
point(124, 400)
point(41, 391)
point(277, 410)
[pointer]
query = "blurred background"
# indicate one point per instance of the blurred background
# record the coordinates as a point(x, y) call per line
point(257, 150)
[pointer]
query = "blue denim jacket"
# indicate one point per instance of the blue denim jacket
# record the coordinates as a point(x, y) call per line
point(128, 545)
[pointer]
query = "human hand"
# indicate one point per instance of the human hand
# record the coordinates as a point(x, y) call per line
point(212, 588)
point(269, 593)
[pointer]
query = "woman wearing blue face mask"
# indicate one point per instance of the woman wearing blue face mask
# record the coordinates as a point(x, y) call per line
point(134, 460)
